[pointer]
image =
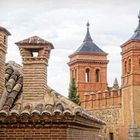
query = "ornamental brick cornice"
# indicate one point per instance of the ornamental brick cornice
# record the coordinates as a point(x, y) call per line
point(132, 48)
point(88, 61)
point(97, 54)
point(128, 42)
point(3, 48)
point(45, 120)
point(34, 60)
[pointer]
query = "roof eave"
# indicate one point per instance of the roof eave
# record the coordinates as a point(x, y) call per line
point(5, 30)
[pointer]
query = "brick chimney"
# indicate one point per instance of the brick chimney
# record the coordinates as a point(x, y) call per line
point(35, 53)
point(3, 49)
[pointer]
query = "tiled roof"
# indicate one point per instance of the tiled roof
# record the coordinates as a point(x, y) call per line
point(55, 104)
point(136, 35)
point(88, 46)
point(35, 40)
point(5, 30)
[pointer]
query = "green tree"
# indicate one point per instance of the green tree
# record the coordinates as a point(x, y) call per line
point(73, 92)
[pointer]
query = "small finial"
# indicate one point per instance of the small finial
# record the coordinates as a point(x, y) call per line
point(88, 24)
point(87, 37)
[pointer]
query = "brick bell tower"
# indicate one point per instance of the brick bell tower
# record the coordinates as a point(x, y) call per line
point(3, 50)
point(131, 79)
point(35, 53)
point(88, 65)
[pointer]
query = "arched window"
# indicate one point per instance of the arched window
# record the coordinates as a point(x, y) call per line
point(97, 75)
point(125, 67)
point(87, 75)
point(5, 40)
point(75, 74)
point(72, 73)
point(129, 65)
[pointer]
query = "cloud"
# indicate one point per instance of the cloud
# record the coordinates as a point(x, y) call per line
point(64, 24)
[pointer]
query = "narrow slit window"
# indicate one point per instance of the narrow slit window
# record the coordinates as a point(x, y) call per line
point(75, 74)
point(72, 73)
point(5, 40)
point(97, 75)
point(129, 65)
point(87, 75)
point(125, 67)
point(111, 136)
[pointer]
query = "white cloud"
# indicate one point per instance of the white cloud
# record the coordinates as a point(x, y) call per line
point(63, 23)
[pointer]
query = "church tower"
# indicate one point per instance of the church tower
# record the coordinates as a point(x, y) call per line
point(131, 79)
point(88, 65)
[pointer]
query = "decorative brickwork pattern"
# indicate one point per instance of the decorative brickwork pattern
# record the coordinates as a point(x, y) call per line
point(35, 53)
point(3, 49)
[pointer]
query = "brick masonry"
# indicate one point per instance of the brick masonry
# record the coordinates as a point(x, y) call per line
point(34, 69)
point(78, 65)
point(3, 49)
point(55, 133)
point(52, 128)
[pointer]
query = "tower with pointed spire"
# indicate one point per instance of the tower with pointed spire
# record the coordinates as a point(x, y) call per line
point(131, 80)
point(88, 65)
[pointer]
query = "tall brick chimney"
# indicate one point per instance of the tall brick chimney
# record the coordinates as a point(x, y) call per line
point(35, 53)
point(3, 49)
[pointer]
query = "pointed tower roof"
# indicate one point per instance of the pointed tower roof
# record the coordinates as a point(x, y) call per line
point(87, 37)
point(116, 84)
point(88, 46)
point(136, 35)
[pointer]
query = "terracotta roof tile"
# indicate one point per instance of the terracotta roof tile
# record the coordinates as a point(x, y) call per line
point(55, 104)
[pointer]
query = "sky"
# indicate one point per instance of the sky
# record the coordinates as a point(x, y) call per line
point(63, 22)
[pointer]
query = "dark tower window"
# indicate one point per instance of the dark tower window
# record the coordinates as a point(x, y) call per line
point(34, 54)
point(97, 75)
point(75, 74)
point(5, 40)
point(72, 73)
point(87, 75)
point(111, 136)
point(129, 65)
point(125, 67)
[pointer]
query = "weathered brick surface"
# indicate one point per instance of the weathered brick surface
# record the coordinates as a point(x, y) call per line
point(78, 65)
point(3, 48)
point(34, 68)
point(47, 134)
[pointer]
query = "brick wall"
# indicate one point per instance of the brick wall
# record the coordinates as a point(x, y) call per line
point(2, 61)
point(33, 133)
point(49, 128)
point(54, 133)
point(94, 100)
